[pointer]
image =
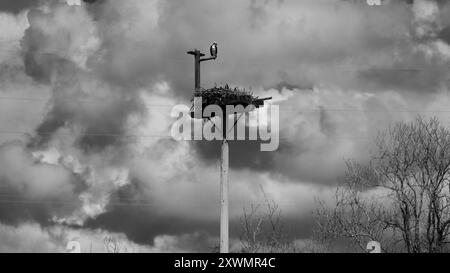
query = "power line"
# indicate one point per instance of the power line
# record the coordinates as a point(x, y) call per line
point(16, 199)
point(86, 134)
point(15, 196)
point(91, 99)
point(281, 107)
point(116, 204)
point(363, 111)
point(330, 138)
point(166, 58)
point(24, 201)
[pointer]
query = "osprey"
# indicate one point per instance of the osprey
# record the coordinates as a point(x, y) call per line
point(213, 50)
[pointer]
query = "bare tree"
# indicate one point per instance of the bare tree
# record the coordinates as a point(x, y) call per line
point(263, 230)
point(408, 179)
point(355, 219)
point(114, 245)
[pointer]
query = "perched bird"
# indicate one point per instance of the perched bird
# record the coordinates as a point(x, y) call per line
point(213, 49)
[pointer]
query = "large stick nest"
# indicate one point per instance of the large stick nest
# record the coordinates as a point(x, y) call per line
point(225, 95)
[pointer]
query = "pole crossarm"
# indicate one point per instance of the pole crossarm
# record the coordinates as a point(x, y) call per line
point(195, 52)
point(207, 59)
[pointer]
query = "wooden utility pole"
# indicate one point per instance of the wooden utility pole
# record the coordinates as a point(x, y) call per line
point(224, 159)
point(224, 188)
point(197, 55)
point(224, 230)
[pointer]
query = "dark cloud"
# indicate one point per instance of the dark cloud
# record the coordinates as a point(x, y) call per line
point(147, 226)
point(414, 72)
point(147, 223)
point(289, 86)
point(14, 211)
point(444, 35)
point(407, 79)
point(272, 56)
point(258, 11)
point(31, 190)
point(327, 126)
point(48, 59)
point(16, 6)
point(245, 154)
point(294, 159)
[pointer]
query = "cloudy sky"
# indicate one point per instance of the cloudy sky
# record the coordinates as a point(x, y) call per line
point(86, 91)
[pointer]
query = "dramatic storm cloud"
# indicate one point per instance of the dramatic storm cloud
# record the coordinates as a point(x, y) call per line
point(86, 90)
